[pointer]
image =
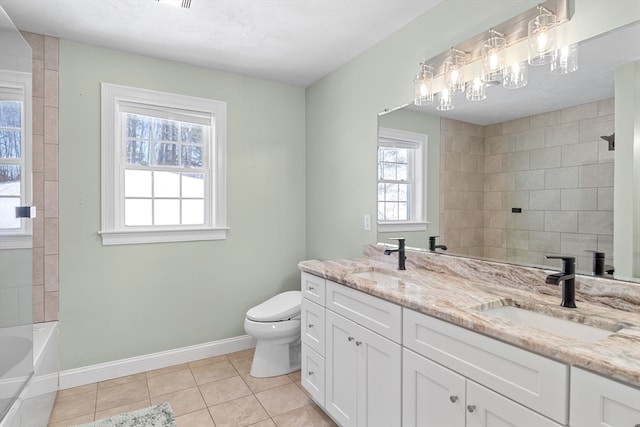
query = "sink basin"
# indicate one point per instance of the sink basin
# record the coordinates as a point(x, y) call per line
point(549, 323)
point(376, 276)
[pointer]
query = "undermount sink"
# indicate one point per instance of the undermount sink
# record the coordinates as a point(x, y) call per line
point(550, 323)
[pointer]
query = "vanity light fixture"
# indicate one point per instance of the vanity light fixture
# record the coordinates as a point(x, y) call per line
point(476, 90)
point(565, 59)
point(423, 86)
point(542, 37)
point(445, 103)
point(493, 50)
point(454, 71)
point(516, 75)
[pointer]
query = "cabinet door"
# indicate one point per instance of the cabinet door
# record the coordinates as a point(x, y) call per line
point(379, 380)
point(488, 409)
point(312, 374)
point(432, 395)
point(341, 369)
point(598, 401)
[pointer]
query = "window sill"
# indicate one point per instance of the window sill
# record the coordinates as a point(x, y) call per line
point(134, 237)
point(391, 227)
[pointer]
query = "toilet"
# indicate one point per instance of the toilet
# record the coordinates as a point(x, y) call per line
point(275, 324)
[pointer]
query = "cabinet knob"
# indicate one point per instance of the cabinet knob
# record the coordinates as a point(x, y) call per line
point(311, 325)
point(453, 399)
point(310, 373)
point(471, 408)
point(350, 338)
point(358, 342)
point(311, 288)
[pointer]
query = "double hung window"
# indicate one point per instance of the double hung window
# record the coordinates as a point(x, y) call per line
point(163, 167)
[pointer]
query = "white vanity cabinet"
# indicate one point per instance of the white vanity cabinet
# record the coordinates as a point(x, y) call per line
point(504, 385)
point(312, 324)
point(600, 402)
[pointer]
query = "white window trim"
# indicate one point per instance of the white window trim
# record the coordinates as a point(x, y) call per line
point(22, 238)
point(394, 137)
point(113, 231)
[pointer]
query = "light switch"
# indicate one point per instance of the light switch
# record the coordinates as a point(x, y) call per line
point(367, 222)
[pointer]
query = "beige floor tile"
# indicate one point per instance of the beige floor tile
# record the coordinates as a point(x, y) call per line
point(238, 413)
point(265, 423)
point(213, 372)
point(167, 370)
point(261, 384)
point(295, 376)
point(242, 364)
point(200, 418)
point(125, 408)
point(221, 391)
point(241, 354)
point(206, 361)
point(73, 406)
point(170, 383)
point(72, 421)
point(283, 399)
point(183, 401)
point(121, 395)
point(122, 380)
point(76, 390)
point(307, 416)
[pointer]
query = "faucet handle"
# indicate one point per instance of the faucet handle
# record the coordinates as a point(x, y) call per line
point(568, 263)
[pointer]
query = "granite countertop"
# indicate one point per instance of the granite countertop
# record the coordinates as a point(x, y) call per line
point(457, 290)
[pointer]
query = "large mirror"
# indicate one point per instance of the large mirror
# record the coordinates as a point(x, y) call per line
point(526, 172)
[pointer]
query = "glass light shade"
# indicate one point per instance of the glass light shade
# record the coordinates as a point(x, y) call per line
point(454, 73)
point(445, 103)
point(476, 90)
point(516, 76)
point(423, 86)
point(493, 58)
point(542, 39)
point(565, 60)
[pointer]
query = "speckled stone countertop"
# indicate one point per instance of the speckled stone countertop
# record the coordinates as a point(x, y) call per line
point(458, 290)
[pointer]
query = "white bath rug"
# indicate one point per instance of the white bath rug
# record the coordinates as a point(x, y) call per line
point(156, 416)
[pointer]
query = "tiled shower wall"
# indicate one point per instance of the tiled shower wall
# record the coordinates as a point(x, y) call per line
point(554, 167)
point(45, 176)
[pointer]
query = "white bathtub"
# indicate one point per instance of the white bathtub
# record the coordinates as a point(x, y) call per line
point(33, 407)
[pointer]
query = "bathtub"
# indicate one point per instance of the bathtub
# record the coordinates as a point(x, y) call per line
point(33, 406)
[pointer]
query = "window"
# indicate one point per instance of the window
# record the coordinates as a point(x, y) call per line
point(401, 168)
point(15, 158)
point(163, 167)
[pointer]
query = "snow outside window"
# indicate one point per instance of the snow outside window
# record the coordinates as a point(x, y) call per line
point(401, 186)
point(163, 159)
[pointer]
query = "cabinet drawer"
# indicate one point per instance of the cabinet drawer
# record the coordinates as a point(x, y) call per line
point(598, 401)
point(313, 325)
point(312, 374)
point(313, 288)
point(530, 379)
point(380, 316)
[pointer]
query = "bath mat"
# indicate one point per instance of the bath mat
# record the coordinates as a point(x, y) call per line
point(156, 416)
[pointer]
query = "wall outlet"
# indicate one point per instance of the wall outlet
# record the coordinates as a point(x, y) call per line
point(367, 222)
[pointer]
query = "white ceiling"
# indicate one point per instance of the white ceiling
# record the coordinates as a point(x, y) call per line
point(290, 41)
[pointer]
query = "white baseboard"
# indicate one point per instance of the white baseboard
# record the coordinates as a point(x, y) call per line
point(134, 365)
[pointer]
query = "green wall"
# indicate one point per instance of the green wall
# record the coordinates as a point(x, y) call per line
point(342, 109)
point(123, 301)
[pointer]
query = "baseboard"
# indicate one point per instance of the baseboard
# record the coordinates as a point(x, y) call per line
point(134, 365)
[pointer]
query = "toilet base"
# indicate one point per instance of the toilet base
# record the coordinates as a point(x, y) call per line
point(273, 358)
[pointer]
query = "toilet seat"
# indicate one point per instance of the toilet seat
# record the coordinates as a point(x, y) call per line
point(281, 307)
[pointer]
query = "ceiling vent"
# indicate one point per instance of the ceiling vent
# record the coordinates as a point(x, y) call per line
point(185, 4)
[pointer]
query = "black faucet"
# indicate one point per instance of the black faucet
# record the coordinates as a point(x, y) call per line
point(433, 246)
point(400, 250)
point(597, 268)
point(568, 279)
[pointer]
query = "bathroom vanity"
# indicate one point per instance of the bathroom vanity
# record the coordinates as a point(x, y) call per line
point(450, 342)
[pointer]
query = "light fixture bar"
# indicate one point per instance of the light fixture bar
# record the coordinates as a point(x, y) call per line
point(185, 4)
point(515, 29)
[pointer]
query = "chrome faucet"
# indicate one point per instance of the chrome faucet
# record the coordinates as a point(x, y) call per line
point(400, 250)
point(433, 246)
point(568, 278)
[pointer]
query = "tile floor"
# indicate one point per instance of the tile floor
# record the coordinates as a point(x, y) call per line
point(214, 392)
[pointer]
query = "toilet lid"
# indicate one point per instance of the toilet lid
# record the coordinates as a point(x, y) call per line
point(280, 307)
